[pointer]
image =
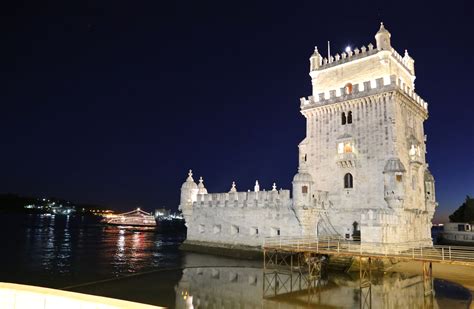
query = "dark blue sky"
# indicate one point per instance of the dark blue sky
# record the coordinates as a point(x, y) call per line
point(113, 101)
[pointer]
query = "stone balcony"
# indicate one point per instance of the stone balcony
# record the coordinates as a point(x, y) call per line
point(416, 160)
point(346, 160)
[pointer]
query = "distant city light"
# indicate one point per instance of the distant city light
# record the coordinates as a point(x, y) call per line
point(348, 49)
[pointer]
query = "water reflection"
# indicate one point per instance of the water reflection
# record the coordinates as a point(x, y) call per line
point(242, 287)
point(59, 251)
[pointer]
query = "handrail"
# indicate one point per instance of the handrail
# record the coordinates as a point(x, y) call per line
point(341, 246)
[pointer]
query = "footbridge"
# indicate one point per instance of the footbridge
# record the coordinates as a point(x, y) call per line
point(296, 264)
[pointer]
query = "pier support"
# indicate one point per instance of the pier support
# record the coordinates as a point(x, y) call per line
point(428, 285)
point(286, 273)
point(428, 278)
point(365, 281)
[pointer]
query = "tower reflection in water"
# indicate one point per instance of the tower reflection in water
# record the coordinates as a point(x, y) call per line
point(241, 287)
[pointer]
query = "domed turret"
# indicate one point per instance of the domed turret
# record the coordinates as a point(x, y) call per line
point(315, 60)
point(302, 186)
point(394, 178)
point(189, 191)
point(382, 38)
point(430, 196)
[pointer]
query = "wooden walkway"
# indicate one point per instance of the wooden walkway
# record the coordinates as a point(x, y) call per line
point(341, 247)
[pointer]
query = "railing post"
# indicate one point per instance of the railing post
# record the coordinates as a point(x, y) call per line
point(449, 253)
point(442, 253)
point(298, 244)
point(280, 242)
point(338, 246)
point(413, 252)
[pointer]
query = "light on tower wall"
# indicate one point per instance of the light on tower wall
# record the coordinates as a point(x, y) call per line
point(348, 49)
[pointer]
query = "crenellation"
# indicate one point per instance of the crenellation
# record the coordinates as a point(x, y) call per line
point(362, 89)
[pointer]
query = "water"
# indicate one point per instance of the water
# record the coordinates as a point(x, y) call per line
point(79, 254)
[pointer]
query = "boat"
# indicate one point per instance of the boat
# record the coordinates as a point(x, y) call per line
point(135, 217)
point(458, 233)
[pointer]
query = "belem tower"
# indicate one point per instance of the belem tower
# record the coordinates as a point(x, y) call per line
point(362, 171)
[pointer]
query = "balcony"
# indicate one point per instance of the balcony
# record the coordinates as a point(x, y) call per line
point(346, 160)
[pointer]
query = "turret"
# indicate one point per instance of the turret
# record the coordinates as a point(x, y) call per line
point(189, 191)
point(315, 60)
point(430, 196)
point(302, 182)
point(382, 38)
point(394, 177)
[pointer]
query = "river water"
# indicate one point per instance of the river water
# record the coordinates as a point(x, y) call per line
point(79, 254)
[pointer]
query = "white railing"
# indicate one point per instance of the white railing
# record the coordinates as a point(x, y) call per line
point(341, 246)
point(18, 296)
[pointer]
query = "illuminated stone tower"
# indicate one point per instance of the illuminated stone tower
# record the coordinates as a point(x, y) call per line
point(365, 146)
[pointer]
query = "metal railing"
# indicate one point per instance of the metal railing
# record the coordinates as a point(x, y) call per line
point(341, 246)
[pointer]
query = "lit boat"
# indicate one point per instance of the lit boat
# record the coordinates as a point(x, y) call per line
point(136, 217)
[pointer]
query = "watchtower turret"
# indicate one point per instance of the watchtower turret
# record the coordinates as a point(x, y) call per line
point(382, 38)
point(189, 191)
point(315, 60)
point(394, 178)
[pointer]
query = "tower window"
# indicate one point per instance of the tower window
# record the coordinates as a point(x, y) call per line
point(349, 117)
point(348, 181)
point(344, 147)
point(343, 118)
point(399, 178)
point(348, 88)
point(304, 189)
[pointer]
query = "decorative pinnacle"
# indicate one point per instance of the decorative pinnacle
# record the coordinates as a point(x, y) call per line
point(257, 186)
point(274, 187)
point(201, 180)
point(233, 188)
point(190, 175)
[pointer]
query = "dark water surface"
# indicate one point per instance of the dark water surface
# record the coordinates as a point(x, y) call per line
point(80, 254)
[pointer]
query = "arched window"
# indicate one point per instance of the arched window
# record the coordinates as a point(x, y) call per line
point(304, 189)
point(349, 117)
point(348, 181)
point(343, 118)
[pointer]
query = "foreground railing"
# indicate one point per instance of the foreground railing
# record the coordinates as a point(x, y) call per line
point(341, 246)
point(18, 296)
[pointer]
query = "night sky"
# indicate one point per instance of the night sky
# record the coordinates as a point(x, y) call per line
point(112, 102)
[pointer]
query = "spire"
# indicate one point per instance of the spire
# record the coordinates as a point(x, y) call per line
point(256, 188)
point(382, 29)
point(316, 52)
point(233, 188)
point(190, 176)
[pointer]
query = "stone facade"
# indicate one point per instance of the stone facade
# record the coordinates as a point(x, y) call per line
point(362, 169)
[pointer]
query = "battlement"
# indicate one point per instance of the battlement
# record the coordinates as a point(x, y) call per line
point(360, 90)
point(272, 198)
point(356, 54)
